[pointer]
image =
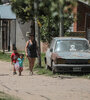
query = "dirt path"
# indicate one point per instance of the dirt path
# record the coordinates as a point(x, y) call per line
point(39, 87)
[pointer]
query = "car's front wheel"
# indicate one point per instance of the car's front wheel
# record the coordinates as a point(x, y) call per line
point(53, 68)
point(47, 66)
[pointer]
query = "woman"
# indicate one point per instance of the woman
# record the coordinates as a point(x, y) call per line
point(31, 51)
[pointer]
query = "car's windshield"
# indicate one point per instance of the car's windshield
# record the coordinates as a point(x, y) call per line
point(71, 45)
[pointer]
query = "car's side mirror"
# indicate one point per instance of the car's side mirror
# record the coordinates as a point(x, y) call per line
point(51, 50)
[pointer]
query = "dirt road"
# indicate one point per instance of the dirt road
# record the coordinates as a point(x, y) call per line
point(38, 87)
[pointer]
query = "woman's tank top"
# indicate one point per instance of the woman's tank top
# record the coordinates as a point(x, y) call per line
point(32, 49)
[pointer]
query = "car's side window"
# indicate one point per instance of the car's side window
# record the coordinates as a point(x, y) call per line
point(57, 46)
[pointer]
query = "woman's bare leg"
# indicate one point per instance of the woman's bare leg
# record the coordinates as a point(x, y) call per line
point(29, 59)
point(31, 64)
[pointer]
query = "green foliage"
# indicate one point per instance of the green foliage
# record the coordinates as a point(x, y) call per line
point(0, 1)
point(4, 96)
point(24, 9)
point(43, 71)
point(51, 17)
point(5, 56)
point(48, 15)
point(49, 28)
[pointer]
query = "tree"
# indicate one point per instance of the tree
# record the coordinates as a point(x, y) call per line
point(24, 10)
point(48, 15)
point(51, 17)
point(0, 1)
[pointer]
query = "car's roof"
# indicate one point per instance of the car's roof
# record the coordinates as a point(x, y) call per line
point(69, 38)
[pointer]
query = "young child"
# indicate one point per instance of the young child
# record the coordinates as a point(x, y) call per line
point(20, 61)
point(14, 57)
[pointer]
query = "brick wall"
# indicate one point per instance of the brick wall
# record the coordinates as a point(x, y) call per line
point(82, 9)
point(75, 23)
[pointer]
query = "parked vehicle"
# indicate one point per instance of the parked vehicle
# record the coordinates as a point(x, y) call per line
point(68, 54)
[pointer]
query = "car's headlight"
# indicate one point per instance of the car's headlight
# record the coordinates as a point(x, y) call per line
point(60, 61)
point(88, 61)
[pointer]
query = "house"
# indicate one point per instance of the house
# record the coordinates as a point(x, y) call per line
point(82, 10)
point(6, 19)
point(12, 31)
point(82, 23)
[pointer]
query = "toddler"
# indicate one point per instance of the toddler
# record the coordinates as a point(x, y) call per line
point(19, 64)
point(14, 57)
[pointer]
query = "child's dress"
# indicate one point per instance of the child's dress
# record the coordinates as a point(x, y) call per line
point(19, 64)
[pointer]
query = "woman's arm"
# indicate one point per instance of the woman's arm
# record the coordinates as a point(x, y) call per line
point(26, 48)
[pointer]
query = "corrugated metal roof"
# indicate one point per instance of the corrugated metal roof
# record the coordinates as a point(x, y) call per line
point(6, 12)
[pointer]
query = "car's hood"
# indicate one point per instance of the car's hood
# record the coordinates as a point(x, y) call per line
point(75, 55)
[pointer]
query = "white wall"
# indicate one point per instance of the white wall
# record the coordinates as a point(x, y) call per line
point(0, 36)
point(21, 38)
point(12, 33)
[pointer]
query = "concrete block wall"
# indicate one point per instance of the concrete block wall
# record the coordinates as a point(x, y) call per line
point(0, 37)
point(21, 38)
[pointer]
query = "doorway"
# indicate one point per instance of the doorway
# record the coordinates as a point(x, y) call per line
point(4, 34)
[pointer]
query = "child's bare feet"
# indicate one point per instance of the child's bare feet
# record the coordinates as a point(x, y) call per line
point(14, 73)
point(19, 74)
point(30, 73)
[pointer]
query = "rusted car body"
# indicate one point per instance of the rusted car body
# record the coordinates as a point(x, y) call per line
point(68, 54)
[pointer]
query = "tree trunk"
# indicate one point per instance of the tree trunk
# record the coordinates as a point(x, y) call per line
point(37, 34)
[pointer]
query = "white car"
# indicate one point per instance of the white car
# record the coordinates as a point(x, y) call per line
point(68, 54)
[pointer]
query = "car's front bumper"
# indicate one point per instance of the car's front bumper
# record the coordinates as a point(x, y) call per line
point(72, 67)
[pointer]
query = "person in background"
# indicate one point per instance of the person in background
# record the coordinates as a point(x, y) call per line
point(14, 57)
point(31, 51)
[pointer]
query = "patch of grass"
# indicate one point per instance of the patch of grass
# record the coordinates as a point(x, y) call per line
point(42, 70)
point(5, 56)
point(86, 76)
point(4, 96)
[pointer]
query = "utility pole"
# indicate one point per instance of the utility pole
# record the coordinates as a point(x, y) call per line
point(37, 33)
point(61, 25)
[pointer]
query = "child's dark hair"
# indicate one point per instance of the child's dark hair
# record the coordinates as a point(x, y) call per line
point(21, 55)
point(14, 48)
